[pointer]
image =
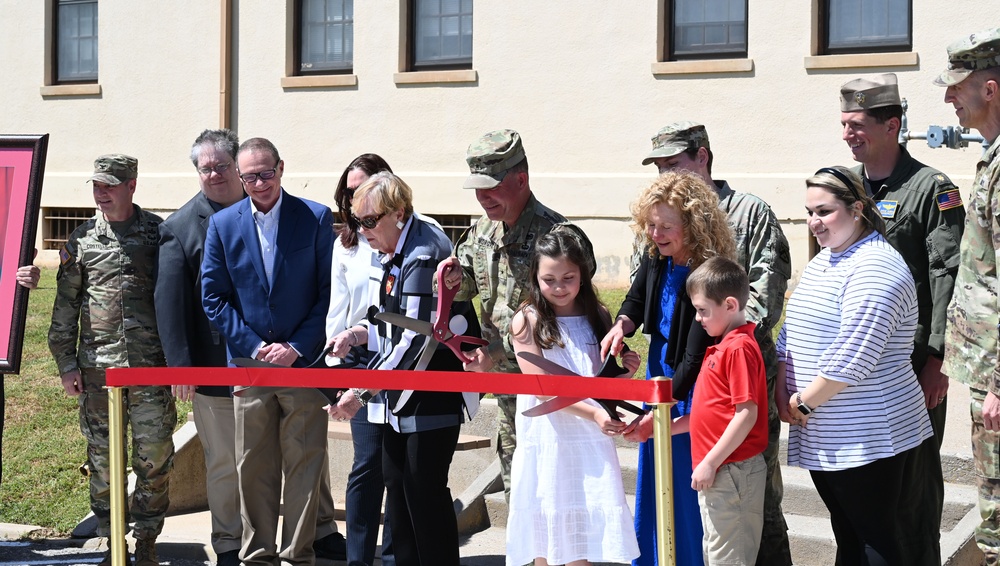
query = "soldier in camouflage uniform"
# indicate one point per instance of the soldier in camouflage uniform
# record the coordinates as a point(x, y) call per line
point(761, 248)
point(495, 259)
point(103, 317)
point(923, 214)
point(971, 354)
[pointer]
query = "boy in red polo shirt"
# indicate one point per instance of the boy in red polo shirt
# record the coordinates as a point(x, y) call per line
point(728, 421)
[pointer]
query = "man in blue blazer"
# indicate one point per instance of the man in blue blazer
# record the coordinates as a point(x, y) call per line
point(266, 287)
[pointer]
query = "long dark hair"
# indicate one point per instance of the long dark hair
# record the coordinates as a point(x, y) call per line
point(564, 240)
point(370, 163)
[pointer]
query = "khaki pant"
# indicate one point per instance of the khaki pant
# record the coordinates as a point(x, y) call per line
point(732, 512)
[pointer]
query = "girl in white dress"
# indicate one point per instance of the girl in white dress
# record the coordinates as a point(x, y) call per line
point(567, 502)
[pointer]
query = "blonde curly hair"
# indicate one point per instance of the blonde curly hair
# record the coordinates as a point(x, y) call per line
point(706, 231)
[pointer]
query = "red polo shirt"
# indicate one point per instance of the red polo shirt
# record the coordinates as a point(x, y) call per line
point(733, 373)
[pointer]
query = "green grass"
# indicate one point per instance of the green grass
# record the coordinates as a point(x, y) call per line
point(42, 444)
point(612, 298)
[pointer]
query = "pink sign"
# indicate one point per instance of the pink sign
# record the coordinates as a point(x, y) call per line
point(22, 162)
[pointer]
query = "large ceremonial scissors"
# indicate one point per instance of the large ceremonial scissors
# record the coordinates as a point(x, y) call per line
point(439, 332)
point(610, 368)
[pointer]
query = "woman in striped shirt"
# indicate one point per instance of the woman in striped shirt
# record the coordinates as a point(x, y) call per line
point(845, 381)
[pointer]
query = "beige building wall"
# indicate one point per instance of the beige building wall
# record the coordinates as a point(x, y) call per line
point(579, 80)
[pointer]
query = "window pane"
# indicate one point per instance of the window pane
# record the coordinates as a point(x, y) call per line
point(862, 25)
point(443, 32)
point(76, 40)
point(709, 27)
point(327, 35)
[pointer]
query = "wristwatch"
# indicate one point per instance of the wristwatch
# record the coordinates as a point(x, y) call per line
point(363, 396)
point(803, 408)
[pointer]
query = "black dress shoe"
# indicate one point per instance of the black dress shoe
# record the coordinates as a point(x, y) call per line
point(229, 558)
point(331, 547)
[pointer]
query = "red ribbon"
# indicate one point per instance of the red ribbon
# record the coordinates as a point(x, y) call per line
point(648, 391)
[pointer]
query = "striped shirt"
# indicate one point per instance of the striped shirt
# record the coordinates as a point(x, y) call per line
point(852, 319)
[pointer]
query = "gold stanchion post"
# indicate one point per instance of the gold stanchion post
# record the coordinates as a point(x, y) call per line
point(116, 432)
point(663, 464)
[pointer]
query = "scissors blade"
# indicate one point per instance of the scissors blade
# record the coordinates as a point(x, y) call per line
point(418, 326)
point(332, 394)
point(547, 365)
point(252, 363)
point(555, 403)
point(552, 405)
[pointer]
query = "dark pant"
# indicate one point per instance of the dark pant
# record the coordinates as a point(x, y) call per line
point(418, 502)
point(864, 510)
point(920, 507)
point(365, 486)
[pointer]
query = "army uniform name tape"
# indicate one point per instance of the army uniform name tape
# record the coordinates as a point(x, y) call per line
point(648, 391)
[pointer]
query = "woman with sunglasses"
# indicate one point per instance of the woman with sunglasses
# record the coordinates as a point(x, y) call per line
point(419, 443)
point(349, 302)
point(845, 381)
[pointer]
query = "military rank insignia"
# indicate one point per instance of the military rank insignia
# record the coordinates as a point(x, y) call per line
point(948, 199)
point(887, 208)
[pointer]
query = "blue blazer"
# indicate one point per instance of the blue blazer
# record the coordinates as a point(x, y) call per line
point(236, 294)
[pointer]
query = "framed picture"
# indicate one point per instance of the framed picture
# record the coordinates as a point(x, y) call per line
point(22, 165)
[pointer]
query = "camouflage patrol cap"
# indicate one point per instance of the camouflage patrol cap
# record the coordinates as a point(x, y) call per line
point(864, 94)
point(677, 137)
point(978, 51)
point(491, 156)
point(115, 169)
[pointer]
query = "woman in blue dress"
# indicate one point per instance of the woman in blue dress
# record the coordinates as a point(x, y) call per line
point(679, 221)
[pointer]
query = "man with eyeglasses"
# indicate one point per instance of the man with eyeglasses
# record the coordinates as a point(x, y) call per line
point(923, 215)
point(190, 340)
point(494, 261)
point(266, 287)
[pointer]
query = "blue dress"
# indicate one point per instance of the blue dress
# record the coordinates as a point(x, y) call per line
point(687, 516)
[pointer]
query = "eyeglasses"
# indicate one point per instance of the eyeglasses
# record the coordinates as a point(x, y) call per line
point(368, 222)
point(220, 169)
point(265, 175)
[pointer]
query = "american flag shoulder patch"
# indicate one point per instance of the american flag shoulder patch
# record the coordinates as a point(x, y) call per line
point(948, 199)
point(64, 256)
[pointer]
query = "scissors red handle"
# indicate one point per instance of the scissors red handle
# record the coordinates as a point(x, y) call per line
point(442, 333)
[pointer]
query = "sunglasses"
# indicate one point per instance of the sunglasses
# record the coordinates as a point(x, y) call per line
point(265, 175)
point(368, 222)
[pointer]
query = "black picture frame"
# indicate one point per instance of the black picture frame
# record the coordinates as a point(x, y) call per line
point(22, 168)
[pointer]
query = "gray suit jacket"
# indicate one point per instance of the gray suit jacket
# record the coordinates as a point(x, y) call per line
point(188, 338)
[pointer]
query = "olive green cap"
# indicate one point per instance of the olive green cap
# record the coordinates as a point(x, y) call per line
point(676, 138)
point(978, 51)
point(115, 169)
point(491, 156)
point(864, 94)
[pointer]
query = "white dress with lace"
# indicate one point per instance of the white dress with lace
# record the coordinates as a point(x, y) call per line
point(567, 501)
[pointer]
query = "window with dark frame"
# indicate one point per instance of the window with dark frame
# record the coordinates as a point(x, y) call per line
point(59, 223)
point(454, 225)
point(866, 26)
point(706, 29)
point(325, 36)
point(440, 34)
point(75, 36)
